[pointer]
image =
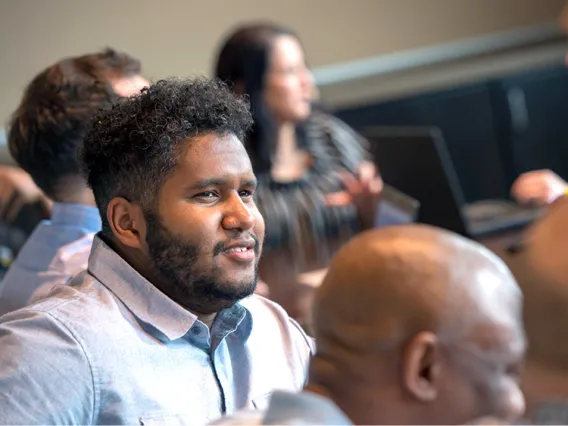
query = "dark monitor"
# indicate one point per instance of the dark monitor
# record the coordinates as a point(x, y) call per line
point(416, 161)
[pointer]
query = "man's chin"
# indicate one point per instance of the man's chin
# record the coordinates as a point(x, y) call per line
point(236, 289)
point(244, 289)
point(213, 296)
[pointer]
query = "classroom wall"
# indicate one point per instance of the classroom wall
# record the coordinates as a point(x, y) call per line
point(179, 37)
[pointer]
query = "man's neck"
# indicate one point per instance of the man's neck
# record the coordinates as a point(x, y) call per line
point(75, 193)
point(83, 201)
point(206, 319)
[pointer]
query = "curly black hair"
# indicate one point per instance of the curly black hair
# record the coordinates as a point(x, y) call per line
point(56, 110)
point(133, 146)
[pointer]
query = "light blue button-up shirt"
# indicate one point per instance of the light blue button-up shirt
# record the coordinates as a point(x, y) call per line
point(110, 348)
point(56, 251)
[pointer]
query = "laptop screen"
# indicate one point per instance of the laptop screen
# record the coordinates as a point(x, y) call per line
point(415, 161)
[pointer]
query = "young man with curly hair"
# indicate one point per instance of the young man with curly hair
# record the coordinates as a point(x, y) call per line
point(45, 131)
point(160, 328)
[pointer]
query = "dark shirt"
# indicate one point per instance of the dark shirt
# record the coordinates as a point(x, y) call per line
point(296, 214)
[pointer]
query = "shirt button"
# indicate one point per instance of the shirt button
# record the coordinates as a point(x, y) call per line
point(196, 331)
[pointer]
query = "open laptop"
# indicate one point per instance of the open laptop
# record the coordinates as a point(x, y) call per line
point(395, 208)
point(416, 161)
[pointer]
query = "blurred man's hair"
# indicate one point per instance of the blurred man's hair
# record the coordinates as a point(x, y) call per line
point(51, 121)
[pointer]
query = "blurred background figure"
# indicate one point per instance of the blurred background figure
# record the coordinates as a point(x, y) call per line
point(542, 273)
point(22, 206)
point(541, 187)
point(316, 186)
point(44, 133)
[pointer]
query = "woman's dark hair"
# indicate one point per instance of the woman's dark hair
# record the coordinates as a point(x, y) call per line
point(242, 63)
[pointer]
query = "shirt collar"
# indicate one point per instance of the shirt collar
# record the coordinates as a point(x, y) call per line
point(79, 215)
point(150, 305)
point(236, 319)
point(307, 407)
point(145, 301)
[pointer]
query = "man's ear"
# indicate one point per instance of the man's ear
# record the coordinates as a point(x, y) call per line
point(421, 368)
point(127, 222)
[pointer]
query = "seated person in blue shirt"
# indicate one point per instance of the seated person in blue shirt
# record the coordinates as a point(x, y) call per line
point(414, 325)
point(44, 133)
point(159, 329)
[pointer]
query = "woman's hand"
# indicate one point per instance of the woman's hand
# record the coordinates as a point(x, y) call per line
point(362, 190)
point(540, 187)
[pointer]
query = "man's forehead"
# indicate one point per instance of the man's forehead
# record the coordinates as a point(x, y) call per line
point(214, 154)
point(213, 143)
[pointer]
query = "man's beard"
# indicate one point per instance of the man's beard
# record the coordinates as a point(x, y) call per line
point(176, 263)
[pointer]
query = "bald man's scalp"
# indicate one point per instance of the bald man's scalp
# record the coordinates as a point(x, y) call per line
point(411, 274)
point(388, 285)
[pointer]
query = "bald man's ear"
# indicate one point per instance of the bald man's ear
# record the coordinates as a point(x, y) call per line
point(421, 367)
point(127, 222)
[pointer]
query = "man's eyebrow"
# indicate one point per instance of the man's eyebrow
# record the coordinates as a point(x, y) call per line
point(207, 183)
point(251, 182)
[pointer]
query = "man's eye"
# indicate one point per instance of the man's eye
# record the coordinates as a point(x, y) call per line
point(208, 195)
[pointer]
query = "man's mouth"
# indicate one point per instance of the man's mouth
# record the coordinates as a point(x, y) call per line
point(241, 251)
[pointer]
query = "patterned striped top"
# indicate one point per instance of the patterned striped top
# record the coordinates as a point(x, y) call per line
point(295, 213)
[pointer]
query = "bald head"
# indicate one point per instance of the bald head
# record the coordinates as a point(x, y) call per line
point(392, 283)
point(401, 299)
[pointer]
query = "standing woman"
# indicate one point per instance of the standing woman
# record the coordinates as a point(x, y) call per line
point(316, 186)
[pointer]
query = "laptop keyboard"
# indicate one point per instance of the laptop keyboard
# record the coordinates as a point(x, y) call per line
point(489, 216)
point(490, 209)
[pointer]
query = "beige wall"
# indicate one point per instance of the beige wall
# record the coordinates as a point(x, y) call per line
point(178, 37)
